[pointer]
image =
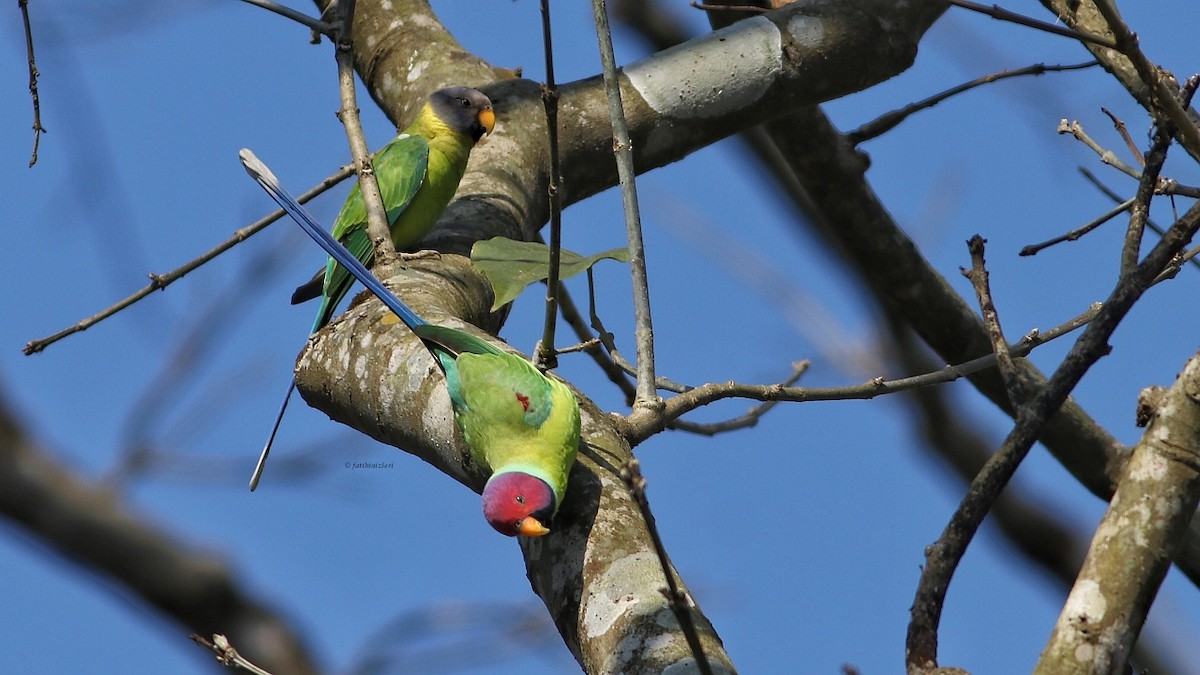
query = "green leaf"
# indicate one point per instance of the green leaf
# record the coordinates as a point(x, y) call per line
point(511, 265)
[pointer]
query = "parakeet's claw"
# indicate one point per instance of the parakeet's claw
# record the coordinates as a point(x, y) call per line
point(532, 527)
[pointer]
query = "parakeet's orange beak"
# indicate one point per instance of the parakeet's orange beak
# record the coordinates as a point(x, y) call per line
point(487, 118)
point(532, 527)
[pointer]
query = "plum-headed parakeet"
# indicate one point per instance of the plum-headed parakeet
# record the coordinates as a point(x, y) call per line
point(418, 173)
point(519, 424)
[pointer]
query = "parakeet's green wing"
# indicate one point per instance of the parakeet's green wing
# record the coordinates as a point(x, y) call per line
point(517, 392)
point(400, 167)
point(337, 279)
point(479, 373)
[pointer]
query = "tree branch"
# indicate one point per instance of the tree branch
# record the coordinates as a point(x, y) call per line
point(597, 571)
point(1132, 547)
point(943, 557)
point(159, 282)
point(378, 227)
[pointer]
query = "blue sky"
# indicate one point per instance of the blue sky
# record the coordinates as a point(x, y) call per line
point(801, 538)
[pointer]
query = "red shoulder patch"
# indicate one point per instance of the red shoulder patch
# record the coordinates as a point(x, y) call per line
point(524, 401)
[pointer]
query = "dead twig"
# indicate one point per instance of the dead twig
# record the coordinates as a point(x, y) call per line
point(677, 598)
point(159, 282)
point(888, 121)
point(33, 82)
point(1001, 14)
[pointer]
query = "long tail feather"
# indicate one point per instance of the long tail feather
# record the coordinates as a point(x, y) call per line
point(262, 456)
point(259, 172)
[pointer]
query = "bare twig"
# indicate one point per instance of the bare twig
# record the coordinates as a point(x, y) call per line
point(997, 12)
point(545, 356)
point(1034, 249)
point(377, 220)
point(695, 397)
point(1139, 213)
point(226, 654)
point(33, 82)
point(1119, 125)
point(676, 597)
point(943, 556)
point(1107, 192)
point(573, 318)
point(1165, 186)
point(159, 282)
point(647, 399)
point(1107, 156)
point(1167, 98)
point(888, 121)
point(746, 419)
point(316, 25)
point(978, 276)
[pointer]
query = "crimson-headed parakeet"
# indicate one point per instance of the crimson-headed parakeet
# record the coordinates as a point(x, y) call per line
point(418, 173)
point(518, 423)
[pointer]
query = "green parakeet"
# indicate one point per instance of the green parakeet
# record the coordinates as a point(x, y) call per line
point(520, 425)
point(418, 173)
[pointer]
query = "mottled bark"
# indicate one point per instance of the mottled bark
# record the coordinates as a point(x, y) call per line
point(1131, 550)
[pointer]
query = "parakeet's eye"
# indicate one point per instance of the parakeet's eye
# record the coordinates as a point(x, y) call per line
point(520, 499)
point(464, 103)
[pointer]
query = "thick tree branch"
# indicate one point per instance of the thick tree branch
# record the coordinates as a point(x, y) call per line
point(597, 571)
point(674, 102)
point(1132, 547)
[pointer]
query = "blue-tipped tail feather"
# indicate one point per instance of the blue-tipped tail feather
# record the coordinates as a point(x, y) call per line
point(259, 172)
point(270, 183)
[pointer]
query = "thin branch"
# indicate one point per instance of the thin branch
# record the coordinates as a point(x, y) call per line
point(1177, 263)
point(943, 556)
point(1034, 249)
point(691, 398)
point(1164, 186)
point(1107, 156)
point(1119, 125)
point(1108, 192)
point(677, 598)
point(1168, 100)
point(316, 25)
point(226, 654)
point(545, 355)
point(888, 121)
point(647, 398)
point(1139, 213)
point(377, 220)
point(159, 282)
point(747, 419)
point(978, 275)
point(33, 82)
point(997, 12)
point(575, 319)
